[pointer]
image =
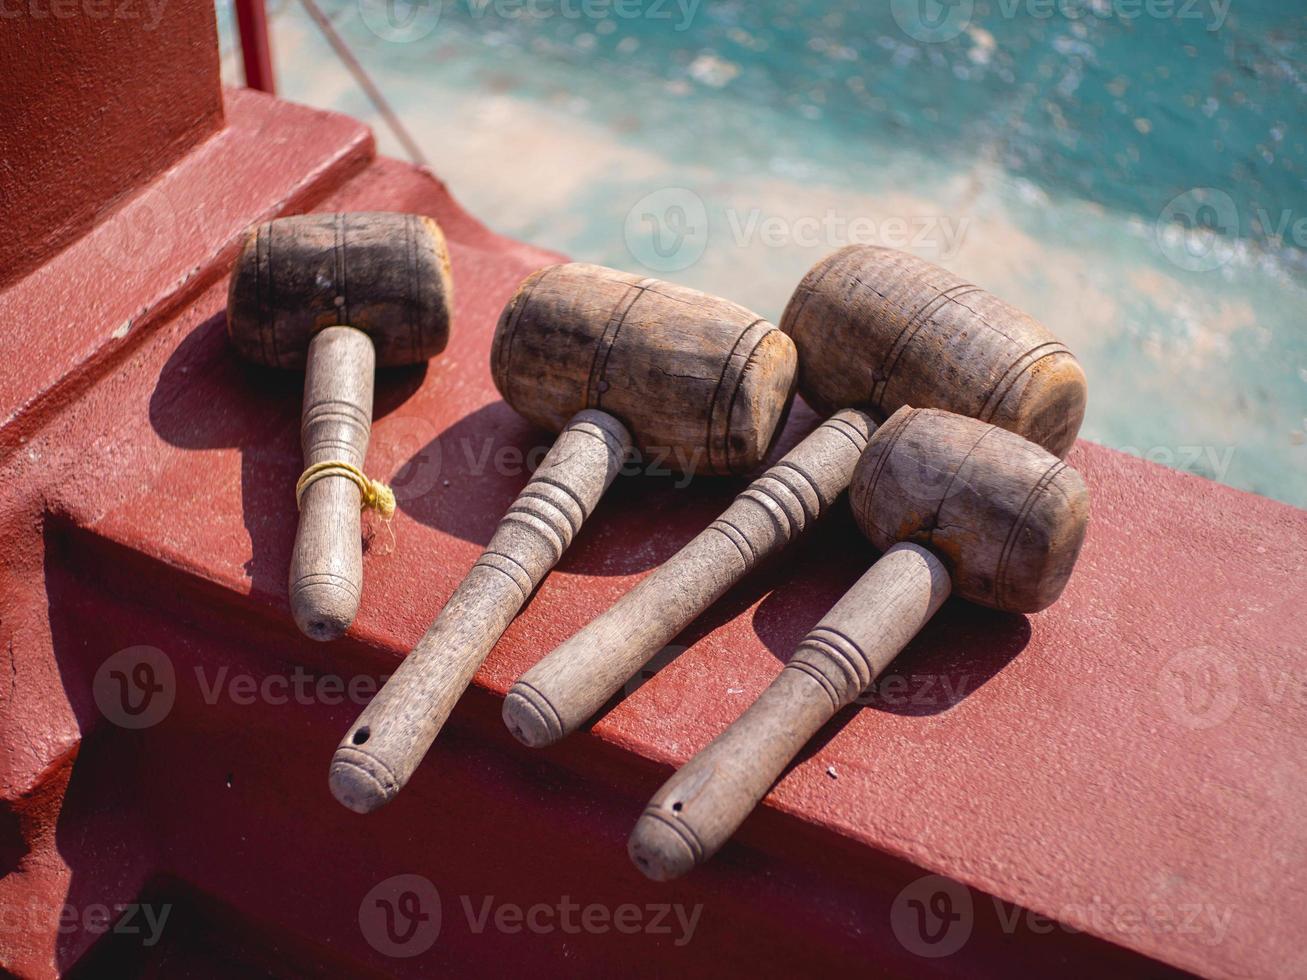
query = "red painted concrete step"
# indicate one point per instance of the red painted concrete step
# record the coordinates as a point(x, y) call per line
point(1116, 783)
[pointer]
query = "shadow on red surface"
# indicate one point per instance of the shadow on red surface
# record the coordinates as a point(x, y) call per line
point(217, 806)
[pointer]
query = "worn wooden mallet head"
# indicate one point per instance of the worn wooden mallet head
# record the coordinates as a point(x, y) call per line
point(874, 328)
point(879, 327)
point(338, 295)
point(697, 379)
point(961, 506)
point(608, 360)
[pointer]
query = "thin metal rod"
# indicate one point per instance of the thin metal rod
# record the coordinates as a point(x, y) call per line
point(361, 76)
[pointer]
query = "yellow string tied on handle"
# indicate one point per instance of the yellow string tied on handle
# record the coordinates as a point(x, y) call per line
point(374, 495)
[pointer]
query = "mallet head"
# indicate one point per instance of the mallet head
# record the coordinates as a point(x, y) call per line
point(701, 382)
point(1005, 516)
point(878, 329)
point(382, 273)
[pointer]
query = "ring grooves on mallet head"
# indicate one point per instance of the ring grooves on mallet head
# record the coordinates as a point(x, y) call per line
point(881, 328)
point(701, 382)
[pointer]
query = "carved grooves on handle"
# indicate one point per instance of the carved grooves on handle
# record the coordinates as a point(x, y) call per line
point(790, 494)
point(553, 514)
point(844, 654)
point(329, 413)
point(368, 767)
point(840, 423)
point(326, 578)
point(549, 510)
point(527, 694)
point(511, 569)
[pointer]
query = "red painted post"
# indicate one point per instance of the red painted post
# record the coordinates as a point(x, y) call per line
point(256, 53)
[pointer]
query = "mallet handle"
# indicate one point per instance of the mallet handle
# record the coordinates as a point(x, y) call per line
point(703, 803)
point(384, 746)
point(568, 686)
point(326, 566)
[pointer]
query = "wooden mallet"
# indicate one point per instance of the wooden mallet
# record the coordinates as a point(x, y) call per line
point(876, 329)
point(611, 361)
point(958, 506)
point(337, 295)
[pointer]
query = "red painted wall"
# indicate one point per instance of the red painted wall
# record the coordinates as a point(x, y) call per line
point(98, 97)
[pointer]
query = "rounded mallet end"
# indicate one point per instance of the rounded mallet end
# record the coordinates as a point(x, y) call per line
point(530, 717)
point(659, 848)
point(323, 610)
point(360, 782)
point(1049, 406)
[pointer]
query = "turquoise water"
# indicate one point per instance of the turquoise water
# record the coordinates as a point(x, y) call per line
point(1132, 172)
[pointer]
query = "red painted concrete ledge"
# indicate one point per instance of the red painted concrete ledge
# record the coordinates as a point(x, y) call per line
point(1116, 783)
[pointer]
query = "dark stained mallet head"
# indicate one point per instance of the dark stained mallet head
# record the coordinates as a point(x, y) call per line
point(382, 273)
